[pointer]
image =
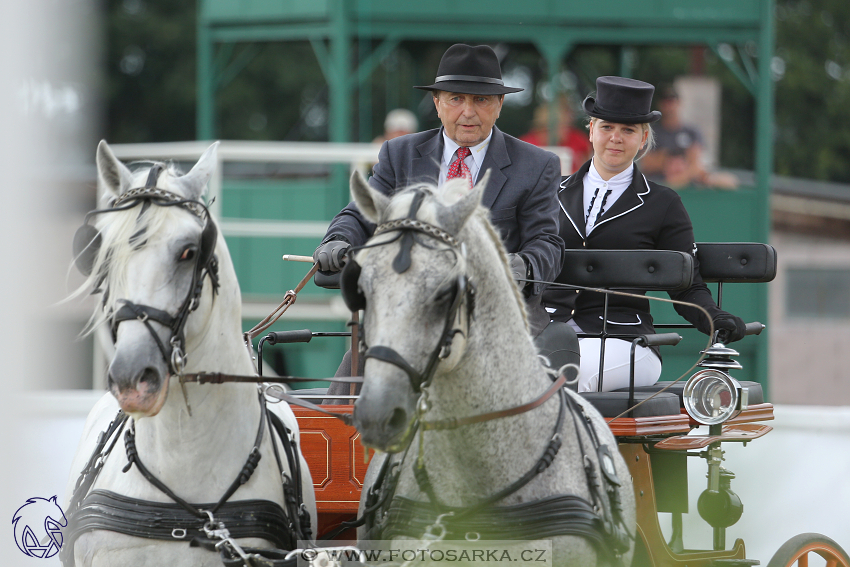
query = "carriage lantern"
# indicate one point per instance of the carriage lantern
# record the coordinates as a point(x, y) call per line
point(711, 396)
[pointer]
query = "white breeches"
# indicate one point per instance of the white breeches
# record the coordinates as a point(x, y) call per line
point(617, 362)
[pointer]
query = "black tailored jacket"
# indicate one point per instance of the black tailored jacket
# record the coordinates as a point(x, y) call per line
point(521, 195)
point(646, 216)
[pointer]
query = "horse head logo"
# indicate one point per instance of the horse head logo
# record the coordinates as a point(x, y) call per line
point(38, 527)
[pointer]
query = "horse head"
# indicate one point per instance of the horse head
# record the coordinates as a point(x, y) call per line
point(411, 279)
point(152, 255)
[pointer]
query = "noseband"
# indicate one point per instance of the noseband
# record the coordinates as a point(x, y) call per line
point(88, 240)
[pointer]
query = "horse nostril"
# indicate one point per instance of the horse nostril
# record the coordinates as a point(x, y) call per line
point(398, 419)
point(150, 376)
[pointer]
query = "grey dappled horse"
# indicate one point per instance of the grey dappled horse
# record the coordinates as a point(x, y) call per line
point(446, 343)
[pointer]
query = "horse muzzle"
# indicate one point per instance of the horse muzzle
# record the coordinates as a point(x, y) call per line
point(138, 376)
point(385, 413)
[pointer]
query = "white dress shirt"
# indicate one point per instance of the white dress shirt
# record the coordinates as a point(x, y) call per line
point(472, 161)
point(596, 189)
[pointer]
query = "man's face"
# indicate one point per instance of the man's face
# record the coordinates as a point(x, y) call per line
point(468, 118)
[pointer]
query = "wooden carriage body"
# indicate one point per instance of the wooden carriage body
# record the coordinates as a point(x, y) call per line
point(338, 462)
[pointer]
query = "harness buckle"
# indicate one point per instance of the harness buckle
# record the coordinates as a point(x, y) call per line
point(178, 533)
point(178, 359)
point(423, 405)
point(231, 543)
point(432, 533)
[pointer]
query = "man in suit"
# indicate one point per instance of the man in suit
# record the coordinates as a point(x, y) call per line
point(521, 194)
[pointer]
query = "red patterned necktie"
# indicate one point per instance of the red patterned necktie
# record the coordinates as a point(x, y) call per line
point(458, 168)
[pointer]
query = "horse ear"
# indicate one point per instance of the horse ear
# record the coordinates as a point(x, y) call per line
point(371, 203)
point(460, 202)
point(195, 182)
point(113, 174)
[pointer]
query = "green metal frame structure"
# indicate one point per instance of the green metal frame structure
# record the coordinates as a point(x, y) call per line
point(338, 30)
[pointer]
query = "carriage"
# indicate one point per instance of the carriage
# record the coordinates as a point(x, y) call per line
point(653, 427)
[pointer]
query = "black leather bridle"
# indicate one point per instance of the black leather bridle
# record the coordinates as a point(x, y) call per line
point(87, 243)
point(463, 292)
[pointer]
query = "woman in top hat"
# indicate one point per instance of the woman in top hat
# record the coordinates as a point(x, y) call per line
point(609, 204)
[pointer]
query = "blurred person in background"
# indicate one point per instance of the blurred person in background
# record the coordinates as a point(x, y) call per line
point(399, 122)
point(569, 136)
point(675, 142)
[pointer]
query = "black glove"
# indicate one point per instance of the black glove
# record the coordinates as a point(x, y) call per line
point(729, 328)
point(331, 255)
point(519, 270)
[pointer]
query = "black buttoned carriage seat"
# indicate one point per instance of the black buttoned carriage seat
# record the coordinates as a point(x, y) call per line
point(663, 270)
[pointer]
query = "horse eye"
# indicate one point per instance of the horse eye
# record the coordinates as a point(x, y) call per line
point(188, 254)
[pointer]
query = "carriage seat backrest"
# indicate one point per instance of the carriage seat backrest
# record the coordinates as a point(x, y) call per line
point(751, 262)
point(654, 270)
point(650, 270)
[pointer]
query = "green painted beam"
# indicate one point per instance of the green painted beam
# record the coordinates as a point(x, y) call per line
point(732, 65)
point(340, 81)
point(205, 109)
point(436, 31)
point(323, 58)
point(271, 32)
point(764, 154)
point(235, 66)
point(554, 50)
point(367, 66)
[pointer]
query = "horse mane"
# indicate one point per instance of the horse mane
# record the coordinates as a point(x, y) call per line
point(483, 216)
point(123, 232)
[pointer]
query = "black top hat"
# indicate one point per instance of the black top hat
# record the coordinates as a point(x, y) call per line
point(622, 100)
point(469, 70)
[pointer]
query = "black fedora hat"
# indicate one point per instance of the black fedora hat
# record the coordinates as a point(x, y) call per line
point(622, 100)
point(469, 70)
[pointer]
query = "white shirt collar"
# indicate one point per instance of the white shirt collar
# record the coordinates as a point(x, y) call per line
point(592, 182)
point(477, 152)
point(619, 182)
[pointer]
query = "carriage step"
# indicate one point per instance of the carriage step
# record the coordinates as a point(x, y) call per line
point(734, 562)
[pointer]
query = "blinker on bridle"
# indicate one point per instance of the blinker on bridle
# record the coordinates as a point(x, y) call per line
point(87, 243)
point(464, 290)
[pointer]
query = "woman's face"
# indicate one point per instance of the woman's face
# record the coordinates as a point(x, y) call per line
point(615, 145)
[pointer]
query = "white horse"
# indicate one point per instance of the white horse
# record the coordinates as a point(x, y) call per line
point(159, 260)
point(439, 359)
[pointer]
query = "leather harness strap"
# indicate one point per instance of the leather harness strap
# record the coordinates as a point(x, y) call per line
point(106, 510)
point(455, 422)
point(101, 509)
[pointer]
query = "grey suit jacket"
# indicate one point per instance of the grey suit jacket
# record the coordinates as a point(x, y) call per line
point(522, 194)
